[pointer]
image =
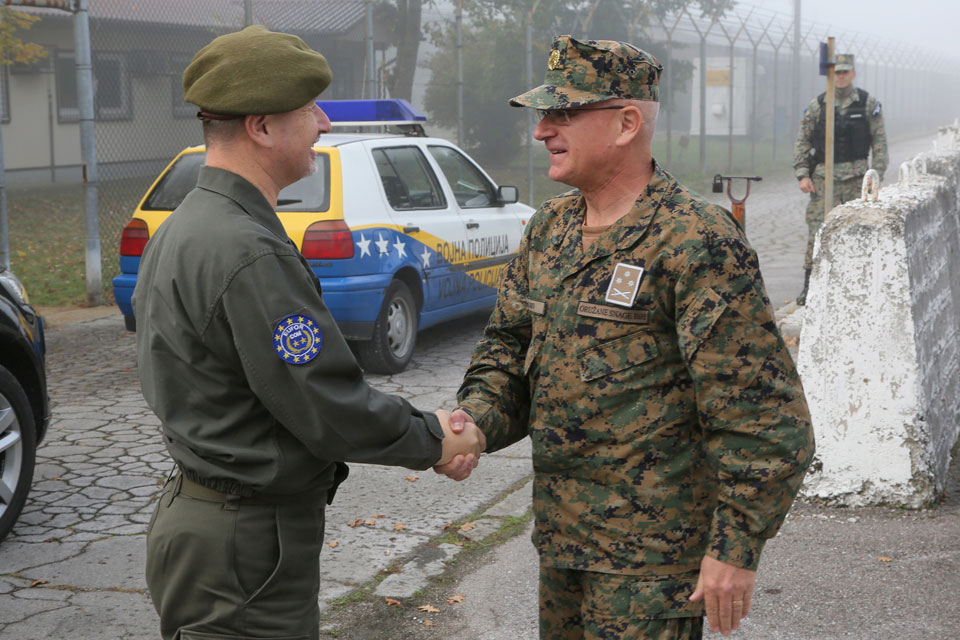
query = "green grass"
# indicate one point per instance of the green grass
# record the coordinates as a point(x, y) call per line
point(47, 237)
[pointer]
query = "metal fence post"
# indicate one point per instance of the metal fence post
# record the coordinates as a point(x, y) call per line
point(88, 148)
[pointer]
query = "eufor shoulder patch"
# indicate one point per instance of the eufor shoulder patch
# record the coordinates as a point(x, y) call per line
point(297, 339)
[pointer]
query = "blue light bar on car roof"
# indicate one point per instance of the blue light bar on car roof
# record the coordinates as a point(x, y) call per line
point(371, 112)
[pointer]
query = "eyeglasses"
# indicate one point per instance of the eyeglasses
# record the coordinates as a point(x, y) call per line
point(563, 116)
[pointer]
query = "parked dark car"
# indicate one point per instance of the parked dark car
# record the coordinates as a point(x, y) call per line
point(24, 403)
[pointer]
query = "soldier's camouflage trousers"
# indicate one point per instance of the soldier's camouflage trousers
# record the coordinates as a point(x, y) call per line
point(220, 570)
point(588, 605)
point(843, 191)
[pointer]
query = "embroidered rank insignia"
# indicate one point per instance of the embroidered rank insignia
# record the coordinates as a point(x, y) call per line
point(297, 339)
point(624, 285)
point(876, 111)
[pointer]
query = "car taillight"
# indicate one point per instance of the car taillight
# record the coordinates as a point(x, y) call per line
point(327, 240)
point(134, 238)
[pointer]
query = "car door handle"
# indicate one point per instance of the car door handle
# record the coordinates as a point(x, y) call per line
point(410, 229)
point(473, 225)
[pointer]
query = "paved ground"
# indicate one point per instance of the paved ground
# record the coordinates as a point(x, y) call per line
point(73, 568)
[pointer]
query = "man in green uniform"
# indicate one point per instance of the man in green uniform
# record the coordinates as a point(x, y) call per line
point(633, 342)
point(259, 396)
point(858, 133)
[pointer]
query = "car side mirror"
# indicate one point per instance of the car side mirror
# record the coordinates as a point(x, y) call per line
point(508, 195)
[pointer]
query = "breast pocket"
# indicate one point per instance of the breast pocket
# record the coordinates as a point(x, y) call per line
point(630, 355)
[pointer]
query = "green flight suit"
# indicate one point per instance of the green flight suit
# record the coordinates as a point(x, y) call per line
point(665, 425)
point(260, 398)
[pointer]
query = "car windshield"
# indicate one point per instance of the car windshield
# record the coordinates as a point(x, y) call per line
point(309, 194)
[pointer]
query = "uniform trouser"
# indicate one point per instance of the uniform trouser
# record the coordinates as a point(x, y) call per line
point(587, 605)
point(843, 191)
point(227, 571)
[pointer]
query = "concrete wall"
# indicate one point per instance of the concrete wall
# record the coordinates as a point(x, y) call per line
point(879, 352)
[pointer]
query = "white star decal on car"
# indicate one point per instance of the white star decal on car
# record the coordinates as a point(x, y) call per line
point(382, 244)
point(364, 245)
point(399, 246)
point(425, 256)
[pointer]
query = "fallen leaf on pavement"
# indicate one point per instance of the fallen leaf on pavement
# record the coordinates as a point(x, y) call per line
point(466, 526)
point(399, 526)
point(369, 522)
point(356, 522)
point(37, 583)
point(429, 608)
point(412, 478)
point(379, 515)
point(393, 603)
point(457, 599)
point(429, 623)
point(448, 523)
point(885, 559)
point(333, 545)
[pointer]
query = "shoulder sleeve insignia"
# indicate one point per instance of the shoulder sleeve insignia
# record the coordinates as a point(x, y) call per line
point(297, 339)
point(806, 112)
point(876, 110)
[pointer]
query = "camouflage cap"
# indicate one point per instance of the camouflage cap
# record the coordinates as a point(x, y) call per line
point(584, 71)
point(254, 72)
point(843, 62)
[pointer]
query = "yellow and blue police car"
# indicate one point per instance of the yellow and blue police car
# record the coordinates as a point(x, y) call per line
point(403, 231)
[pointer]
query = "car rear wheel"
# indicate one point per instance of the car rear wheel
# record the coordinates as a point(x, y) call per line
point(394, 333)
point(18, 450)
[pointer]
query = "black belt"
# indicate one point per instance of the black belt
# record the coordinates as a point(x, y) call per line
point(196, 491)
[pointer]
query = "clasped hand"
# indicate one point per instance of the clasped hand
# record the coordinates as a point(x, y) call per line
point(463, 442)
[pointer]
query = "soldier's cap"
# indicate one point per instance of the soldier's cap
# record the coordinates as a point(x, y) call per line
point(843, 62)
point(254, 72)
point(581, 72)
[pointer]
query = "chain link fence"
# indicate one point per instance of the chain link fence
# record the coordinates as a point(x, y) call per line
point(731, 77)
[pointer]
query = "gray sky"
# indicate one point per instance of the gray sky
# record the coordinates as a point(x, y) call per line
point(933, 25)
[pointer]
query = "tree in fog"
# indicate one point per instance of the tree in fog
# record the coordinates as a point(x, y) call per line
point(494, 55)
point(12, 47)
point(406, 19)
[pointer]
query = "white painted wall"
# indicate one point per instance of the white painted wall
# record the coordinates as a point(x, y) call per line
point(879, 352)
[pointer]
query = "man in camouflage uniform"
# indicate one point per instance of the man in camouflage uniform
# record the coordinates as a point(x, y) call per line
point(858, 132)
point(633, 341)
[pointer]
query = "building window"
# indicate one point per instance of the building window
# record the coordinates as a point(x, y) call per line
point(5, 99)
point(178, 64)
point(111, 87)
point(65, 69)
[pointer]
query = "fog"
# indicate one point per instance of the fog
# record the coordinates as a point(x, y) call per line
point(930, 25)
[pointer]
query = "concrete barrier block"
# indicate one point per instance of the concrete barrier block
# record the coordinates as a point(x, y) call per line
point(879, 352)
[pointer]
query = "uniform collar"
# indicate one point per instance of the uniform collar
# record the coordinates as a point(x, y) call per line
point(621, 235)
point(244, 194)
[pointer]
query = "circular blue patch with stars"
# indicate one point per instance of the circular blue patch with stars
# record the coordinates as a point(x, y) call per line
point(297, 339)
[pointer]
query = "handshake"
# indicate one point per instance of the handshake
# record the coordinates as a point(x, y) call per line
point(463, 442)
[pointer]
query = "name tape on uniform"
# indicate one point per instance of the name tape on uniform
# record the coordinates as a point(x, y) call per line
point(624, 284)
point(593, 310)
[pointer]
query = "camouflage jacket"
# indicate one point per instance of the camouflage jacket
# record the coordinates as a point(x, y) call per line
point(803, 148)
point(661, 431)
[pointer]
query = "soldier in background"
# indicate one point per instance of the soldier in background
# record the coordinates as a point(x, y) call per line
point(633, 341)
point(858, 132)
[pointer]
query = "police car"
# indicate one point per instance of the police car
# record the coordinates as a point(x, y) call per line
point(404, 231)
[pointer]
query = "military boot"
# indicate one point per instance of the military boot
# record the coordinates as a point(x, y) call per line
point(802, 298)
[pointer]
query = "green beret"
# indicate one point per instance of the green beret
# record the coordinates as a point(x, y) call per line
point(584, 71)
point(255, 72)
